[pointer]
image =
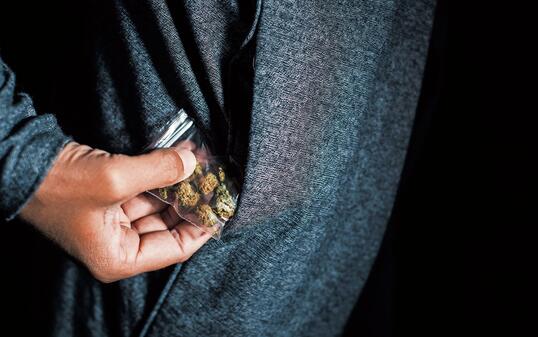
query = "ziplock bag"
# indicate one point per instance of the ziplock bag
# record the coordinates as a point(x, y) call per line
point(208, 197)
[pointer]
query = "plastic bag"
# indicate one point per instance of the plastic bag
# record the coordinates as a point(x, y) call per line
point(208, 197)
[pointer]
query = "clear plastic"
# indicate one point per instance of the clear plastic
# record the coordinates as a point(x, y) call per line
point(208, 197)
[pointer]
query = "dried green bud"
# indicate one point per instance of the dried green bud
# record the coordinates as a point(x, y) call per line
point(163, 192)
point(198, 169)
point(222, 175)
point(206, 215)
point(208, 183)
point(186, 195)
point(224, 203)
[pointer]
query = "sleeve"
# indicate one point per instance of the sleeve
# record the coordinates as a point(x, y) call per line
point(29, 144)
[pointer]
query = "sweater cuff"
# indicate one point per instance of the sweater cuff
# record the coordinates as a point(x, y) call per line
point(27, 164)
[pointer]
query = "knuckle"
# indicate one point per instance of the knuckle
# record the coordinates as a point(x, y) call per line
point(183, 255)
point(113, 181)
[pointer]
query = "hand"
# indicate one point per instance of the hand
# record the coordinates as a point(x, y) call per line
point(92, 204)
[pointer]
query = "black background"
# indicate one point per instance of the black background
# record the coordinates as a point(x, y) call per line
point(459, 257)
point(402, 288)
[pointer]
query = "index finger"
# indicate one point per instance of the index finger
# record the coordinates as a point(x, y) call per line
point(142, 205)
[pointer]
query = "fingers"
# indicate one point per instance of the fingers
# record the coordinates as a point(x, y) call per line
point(142, 205)
point(166, 219)
point(132, 175)
point(160, 249)
point(189, 238)
point(170, 217)
point(148, 244)
point(148, 224)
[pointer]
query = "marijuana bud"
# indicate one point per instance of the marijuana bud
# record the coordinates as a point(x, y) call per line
point(208, 183)
point(207, 198)
point(224, 203)
point(186, 195)
point(206, 215)
point(222, 175)
point(163, 192)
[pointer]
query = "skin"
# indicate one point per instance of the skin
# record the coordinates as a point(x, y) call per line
point(92, 203)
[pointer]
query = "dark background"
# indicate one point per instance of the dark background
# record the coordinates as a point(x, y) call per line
point(459, 257)
point(402, 288)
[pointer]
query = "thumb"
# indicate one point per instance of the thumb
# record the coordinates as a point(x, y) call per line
point(158, 168)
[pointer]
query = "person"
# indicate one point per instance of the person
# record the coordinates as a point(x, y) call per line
point(311, 102)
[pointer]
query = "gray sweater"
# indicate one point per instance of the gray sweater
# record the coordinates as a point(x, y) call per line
point(311, 101)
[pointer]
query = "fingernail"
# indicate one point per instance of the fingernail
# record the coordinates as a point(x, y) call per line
point(189, 162)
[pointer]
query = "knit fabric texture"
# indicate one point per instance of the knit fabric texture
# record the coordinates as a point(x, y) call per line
point(311, 101)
